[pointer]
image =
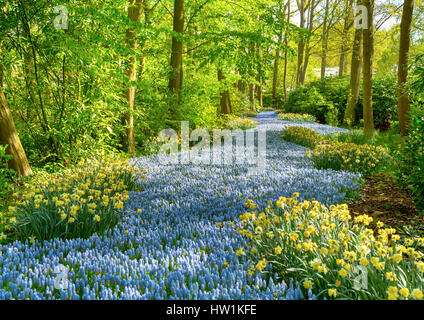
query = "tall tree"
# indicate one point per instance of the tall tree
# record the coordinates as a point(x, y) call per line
point(286, 44)
point(225, 102)
point(324, 46)
point(355, 77)
point(368, 47)
point(9, 137)
point(347, 25)
point(134, 14)
point(405, 38)
point(176, 76)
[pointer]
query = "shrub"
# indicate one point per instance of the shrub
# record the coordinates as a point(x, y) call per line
point(411, 159)
point(349, 157)
point(76, 204)
point(250, 114)
point(296, 117)
point(302, 136)
point(310, 101)
point(330, 254)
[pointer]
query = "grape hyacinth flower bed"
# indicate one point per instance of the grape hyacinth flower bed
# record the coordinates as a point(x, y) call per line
point(177, 239)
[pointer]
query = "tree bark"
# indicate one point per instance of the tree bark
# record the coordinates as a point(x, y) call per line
point(252, 96)
point(346, 27)
point(225, 96)
point(286, 43)
point(301, 45)
point(324, 48)
point(176, 76)
point(9, 137)
point(355, 79)
point(368, 45)
point(134, 14)
point(405, 39)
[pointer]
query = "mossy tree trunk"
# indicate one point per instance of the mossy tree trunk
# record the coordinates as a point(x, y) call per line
point(405, 39)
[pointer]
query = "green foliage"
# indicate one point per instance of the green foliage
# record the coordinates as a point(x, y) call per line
point(302, 136)
point(326, 99)
point(75, 203)
point(309, 100)
point(411, 158)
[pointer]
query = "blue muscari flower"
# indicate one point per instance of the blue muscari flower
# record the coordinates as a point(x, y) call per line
point(175, 244)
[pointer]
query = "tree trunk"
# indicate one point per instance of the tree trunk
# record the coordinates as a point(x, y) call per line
point(368, 44)
point(275, 76)
point(301, 45)
point(345, 34)
point(252, 96)
point(259, 93)
point(176, 76)
point(307, 44)
point(355, 79)
point(405, 39)
point(9, 137)
point(286, 43)
point(225, 96)
point(324, 41)
point(134, 14)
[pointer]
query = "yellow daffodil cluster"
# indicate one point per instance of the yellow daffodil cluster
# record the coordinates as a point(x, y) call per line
point(332, 253)
point(233, 123)
point(348, 156)
point(295, 117)
point(84, 200)
point(302, 136)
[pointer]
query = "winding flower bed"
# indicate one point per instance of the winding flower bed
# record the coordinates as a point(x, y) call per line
point(177, 239)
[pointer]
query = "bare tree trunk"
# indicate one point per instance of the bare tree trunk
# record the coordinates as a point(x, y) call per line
point(346, 27)
point(355, 79)
point(176, 76)
point(286, 43)
point(405, 39)
point(368, 44)
point(225, 96)
point(259, 93)
point(275, 76)
point(9, 137)
point(308, 48)
point(134, 14)
point(252, 96)
point(301, 45)
point(324, 41)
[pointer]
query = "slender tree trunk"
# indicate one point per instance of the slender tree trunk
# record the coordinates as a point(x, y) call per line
point(176, 76)
point(355, 79)
point(259, 92)
point(252, 88)
point(307, 44)
point(275, 76)
point(286, 43)
point(344, 47)
point(225, 96)
point(301, 45)
point(368, 44)
point(324, 41)
point(405, 39)
point(9, 137)
point(134, 14)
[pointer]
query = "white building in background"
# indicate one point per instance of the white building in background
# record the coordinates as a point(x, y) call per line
point(329, 72)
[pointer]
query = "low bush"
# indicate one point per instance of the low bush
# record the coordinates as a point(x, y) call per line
point(76, 203)
point(296, 117)
point(351, 157)
point(5, 173)
point(302, 136)
point(330, 254)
